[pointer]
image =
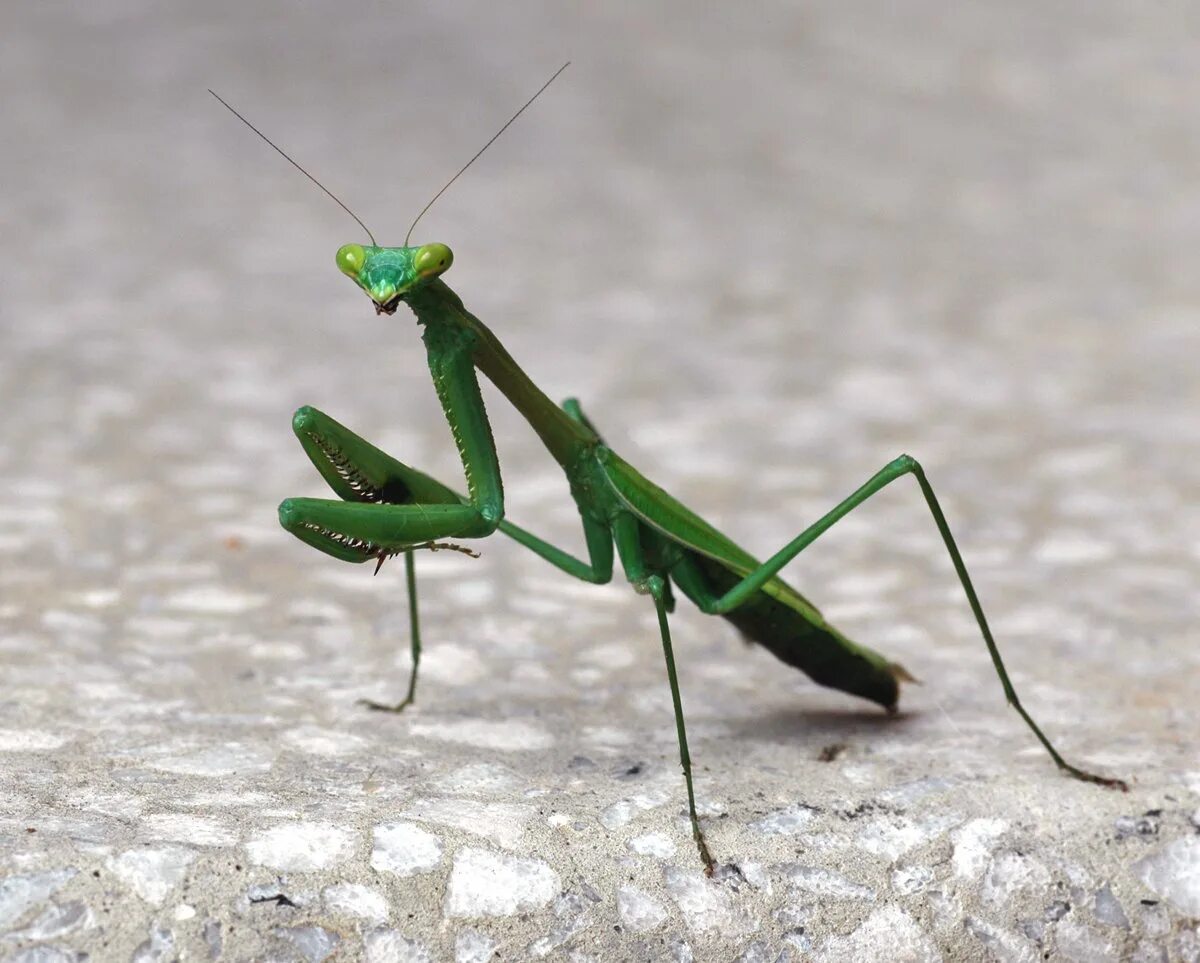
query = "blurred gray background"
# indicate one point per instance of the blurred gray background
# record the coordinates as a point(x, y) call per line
point(769, 249)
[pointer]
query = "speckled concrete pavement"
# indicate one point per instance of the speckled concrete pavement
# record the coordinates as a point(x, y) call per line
point(769, 252)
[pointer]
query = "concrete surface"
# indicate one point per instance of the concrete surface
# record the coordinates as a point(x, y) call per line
point(770, 250)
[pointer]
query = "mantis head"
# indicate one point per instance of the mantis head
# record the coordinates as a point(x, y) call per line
point(387, 274)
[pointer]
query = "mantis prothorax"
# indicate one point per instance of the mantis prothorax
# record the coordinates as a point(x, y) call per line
point(387, 508)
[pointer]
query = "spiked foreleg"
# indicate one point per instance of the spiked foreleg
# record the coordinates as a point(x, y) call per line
point(357, 531)
point(357, 471)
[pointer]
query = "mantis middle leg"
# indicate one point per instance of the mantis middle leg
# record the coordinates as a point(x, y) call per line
point(696, 588)
point(627, 532)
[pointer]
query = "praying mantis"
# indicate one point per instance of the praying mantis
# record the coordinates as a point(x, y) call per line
point(385, 508)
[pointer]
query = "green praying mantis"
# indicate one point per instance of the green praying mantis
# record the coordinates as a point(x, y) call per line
point(385, 508)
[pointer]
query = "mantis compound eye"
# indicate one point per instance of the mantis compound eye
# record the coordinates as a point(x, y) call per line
point(350, 259)
point(432, 260)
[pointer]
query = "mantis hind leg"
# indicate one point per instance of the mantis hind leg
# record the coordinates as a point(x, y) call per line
point(904, 465)
point(628, 533)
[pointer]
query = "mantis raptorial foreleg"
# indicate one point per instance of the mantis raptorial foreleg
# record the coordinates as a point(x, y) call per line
point(696, 588)
point(362, 474)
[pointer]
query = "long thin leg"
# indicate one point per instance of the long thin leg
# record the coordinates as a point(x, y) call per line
point(685, 759)
point(903, 465)
point(627, 533)
point(414, 629)
point(598, 568)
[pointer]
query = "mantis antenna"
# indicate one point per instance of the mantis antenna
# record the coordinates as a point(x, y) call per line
point(284, 155)
point(446, 186)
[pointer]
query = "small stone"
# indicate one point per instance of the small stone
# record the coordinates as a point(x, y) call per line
point(186, 828)
point(1108, 910)
point(887, 934)
point(158, 948)
point(152, 873)
point(825, 882)
point(652, 844)
point(405, 850)
point(1148, 952)
point(973, 844)
point(389, 946)
point(313, 943)
point(1002, 946)
point(483, 883)
point(1078, 943)
point(474, 946)
point(211, 931)
point(707, 906)
point(1009, 875)
point(908, 880)
point(503, 823)
point(19, 893)
point(571, 910)
point(681, 952)
point(1173, 873)
point(623, 811)
point(785, 822)
point(756, 952)
point(639, 911)
point(1143, 826)
point(301, 846)
point(56, 921)
point(353, 899)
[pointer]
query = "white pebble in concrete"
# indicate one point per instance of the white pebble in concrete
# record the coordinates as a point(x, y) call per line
point(478, 777)
point(973, 844)
point(229, 759)
point(510, 735)
point(473, 946)
point(652, 844)
point(784, 822)
point(354, 899)
point(405, 850)
point(301, 847)
point(889, 933)
point(483, 883)
point(388, 946)
point(705, 904)
point(19, 893)
point(503, 823)
point(152, 873)
point(57, 920)
point(826, 883)
point(1174, 874)
point(1077, 943)
point(639, 911)
point(185, 828)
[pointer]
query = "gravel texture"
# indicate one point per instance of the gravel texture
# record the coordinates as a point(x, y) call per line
point(769, 249)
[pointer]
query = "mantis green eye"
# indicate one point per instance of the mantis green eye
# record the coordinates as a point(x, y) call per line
point(432, 260)
point(350, 259)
